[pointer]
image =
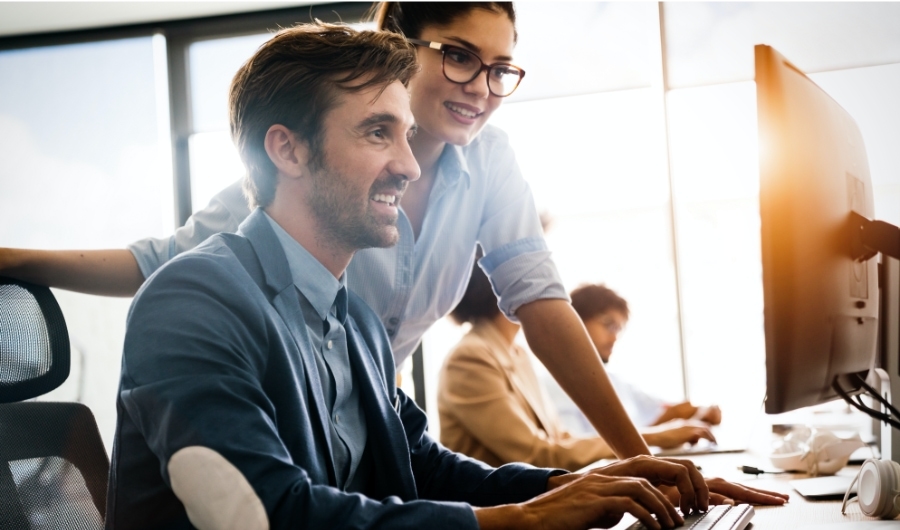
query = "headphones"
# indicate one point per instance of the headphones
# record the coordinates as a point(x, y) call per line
point(879, 489)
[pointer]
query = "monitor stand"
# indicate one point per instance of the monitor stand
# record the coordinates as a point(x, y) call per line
point(887, 376)
point(884, 435)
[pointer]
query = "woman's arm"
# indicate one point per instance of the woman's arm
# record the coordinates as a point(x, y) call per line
point(558, 338)
point(112, 272)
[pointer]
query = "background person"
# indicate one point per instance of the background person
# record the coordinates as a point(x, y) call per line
point(470, 192)
point(492, 407)
point(605, 315)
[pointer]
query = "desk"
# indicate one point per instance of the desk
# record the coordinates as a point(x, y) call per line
point(796, 513)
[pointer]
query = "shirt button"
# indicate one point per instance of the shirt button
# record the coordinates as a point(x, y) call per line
point(337, 418)
point(329, 345)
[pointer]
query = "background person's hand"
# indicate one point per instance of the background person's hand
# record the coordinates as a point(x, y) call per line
point(711, 414)
point(678, 432)
point(693, 493)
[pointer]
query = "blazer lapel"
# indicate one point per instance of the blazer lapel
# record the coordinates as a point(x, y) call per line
point(385, 428)
point(278, 277)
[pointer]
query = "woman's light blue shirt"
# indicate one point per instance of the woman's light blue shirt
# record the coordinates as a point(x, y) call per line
point(479, 198)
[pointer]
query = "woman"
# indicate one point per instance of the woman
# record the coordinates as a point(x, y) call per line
point(492, 407)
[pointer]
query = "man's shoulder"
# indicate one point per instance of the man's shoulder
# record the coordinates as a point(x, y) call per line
point(213, 263)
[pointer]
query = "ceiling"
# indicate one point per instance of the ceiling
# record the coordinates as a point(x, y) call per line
point(23, 18)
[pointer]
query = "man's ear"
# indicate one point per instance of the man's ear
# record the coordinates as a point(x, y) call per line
point(289, 153)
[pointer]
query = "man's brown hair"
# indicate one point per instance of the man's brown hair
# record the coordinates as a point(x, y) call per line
point(592, 300)
point(295, 79)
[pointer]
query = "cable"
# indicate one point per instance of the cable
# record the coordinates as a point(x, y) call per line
point(876, 395)
point(750, 470)
point(886, 418)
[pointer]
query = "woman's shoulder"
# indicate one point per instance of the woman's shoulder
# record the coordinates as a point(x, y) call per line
point(490, 152)
point(491, 136)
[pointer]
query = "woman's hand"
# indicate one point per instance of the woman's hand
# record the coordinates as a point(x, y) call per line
point(723, 492)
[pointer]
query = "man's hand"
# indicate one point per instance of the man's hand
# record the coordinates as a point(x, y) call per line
point(693, 493)
point(677, 432)
point(590, 500)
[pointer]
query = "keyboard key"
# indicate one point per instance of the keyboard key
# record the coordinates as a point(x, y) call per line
point(720, 517)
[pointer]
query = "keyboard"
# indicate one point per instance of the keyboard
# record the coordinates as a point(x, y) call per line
point(720, 517)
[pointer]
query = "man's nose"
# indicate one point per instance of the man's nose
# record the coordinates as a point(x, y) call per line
point(404, 163)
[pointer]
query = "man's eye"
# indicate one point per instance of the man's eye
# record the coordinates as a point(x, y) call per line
point(378, 133)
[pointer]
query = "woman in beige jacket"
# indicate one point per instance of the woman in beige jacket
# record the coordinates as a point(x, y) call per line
point(492, 407)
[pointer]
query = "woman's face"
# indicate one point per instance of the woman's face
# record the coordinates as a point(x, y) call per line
point(449, 112)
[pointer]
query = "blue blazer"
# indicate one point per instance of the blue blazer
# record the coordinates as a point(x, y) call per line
point(217, 355)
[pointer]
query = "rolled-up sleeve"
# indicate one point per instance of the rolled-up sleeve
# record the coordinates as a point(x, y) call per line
point(224, 213)
point(517, 259)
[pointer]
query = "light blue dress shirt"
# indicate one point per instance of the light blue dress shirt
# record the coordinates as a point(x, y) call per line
point(323, 299)
point(479, 198)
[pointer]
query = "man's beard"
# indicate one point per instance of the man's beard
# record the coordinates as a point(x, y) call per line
point(344, 217)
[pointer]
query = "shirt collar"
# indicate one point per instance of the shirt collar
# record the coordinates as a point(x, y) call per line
point(311, 278)
point(453, 165)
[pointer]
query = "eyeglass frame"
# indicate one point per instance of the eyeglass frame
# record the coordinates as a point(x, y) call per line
point(611, 326)
point(443, 48)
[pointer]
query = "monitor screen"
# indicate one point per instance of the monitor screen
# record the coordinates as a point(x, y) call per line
point(821, 298)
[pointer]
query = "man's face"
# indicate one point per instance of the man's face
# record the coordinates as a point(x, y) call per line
point(365, 166)
point(604, 329)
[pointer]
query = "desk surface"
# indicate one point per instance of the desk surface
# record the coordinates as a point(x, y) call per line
point(797, 512)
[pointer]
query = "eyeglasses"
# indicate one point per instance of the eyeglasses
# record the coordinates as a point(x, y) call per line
point(462, 66)
point(612, 326)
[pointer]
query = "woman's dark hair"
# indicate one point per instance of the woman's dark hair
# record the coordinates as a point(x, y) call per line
point(479, 302)
point(592, 300)
point(410, 18)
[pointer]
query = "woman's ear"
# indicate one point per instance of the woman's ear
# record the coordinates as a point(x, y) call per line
point(289, 153)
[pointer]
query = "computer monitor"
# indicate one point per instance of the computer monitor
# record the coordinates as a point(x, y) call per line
point(820, 275)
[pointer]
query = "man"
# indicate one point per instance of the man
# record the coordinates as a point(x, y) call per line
point(605, 314)
point(257, 392)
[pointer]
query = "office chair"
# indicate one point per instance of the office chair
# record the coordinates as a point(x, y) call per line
point(53, 465)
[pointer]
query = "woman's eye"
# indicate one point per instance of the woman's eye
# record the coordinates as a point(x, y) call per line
point(459, 56)
point(502, 71)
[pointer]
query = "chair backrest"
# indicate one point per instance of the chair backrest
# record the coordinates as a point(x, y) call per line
point(34, 341)
point(53, 465)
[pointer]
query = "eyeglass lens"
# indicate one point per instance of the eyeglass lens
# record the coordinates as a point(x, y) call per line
point(461, 66)
point(611, 326)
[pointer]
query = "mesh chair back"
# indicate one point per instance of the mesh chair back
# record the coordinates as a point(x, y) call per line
point(53, 467)
point(34, 341)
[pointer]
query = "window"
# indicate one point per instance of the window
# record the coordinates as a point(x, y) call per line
point(85, 167)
